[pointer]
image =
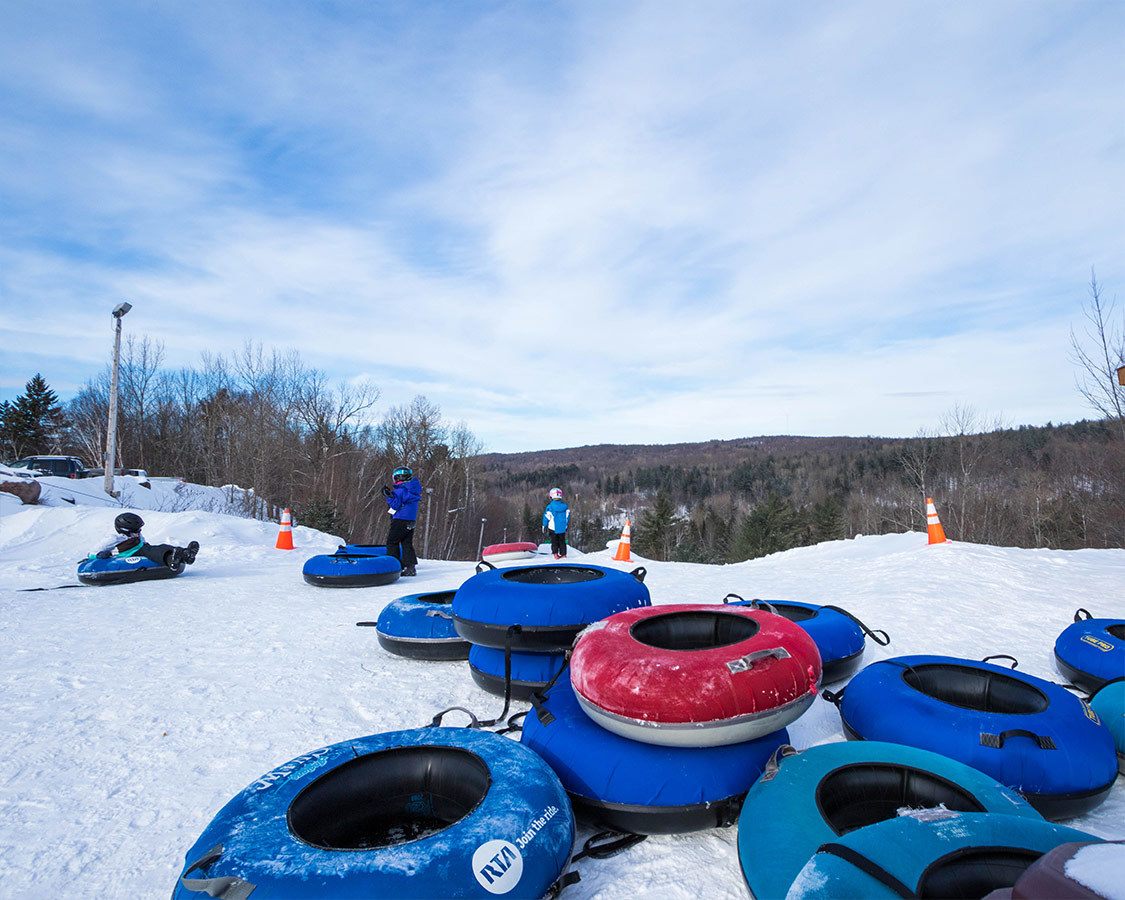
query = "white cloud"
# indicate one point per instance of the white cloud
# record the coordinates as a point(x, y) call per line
point(626, 222)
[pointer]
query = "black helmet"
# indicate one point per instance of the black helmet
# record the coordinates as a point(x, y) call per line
point(403, 473)
point(128, 523)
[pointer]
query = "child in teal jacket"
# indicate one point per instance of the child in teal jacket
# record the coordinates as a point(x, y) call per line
point(555, 519)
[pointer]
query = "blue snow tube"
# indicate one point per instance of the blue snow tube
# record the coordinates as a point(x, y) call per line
point(813, 797)
point(449, 812)
point(642, 788)
point(530, 671)
point(1091, 652)
point(1027, 733)
point(1109, 704)
point(348, 570)
point(931, 854)
point(550, 604)
point(420, 626)
point(124, 570)
point(838, 634)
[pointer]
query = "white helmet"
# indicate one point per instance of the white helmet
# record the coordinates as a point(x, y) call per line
point(555, 493)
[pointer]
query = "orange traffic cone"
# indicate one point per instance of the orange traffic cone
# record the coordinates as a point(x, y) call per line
point(622, 554)
point(933, 523)
point(285, 534)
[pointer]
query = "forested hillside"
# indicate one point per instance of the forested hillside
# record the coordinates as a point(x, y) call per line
point(1052, 486)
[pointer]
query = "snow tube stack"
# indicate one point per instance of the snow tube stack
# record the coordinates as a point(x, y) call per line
point(534, 613)
point(348, 569)
point(420, 626)
point(642, 788)
point(932, 853)
point(517, 550)
point(1091, 652)
point(670, 713)
point(692, 675)
point(839, 636)
point(813, 797)
point(449, 812)
point(1027, 733)
point(124, 570)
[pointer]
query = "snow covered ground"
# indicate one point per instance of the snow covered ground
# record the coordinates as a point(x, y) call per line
point(129, 715)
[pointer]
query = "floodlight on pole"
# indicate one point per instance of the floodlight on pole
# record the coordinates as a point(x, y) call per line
point(119, 312)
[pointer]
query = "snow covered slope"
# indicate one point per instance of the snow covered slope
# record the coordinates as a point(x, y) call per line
point(162, 494)
point(129, 715)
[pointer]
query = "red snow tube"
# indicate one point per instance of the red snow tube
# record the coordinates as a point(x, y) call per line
point(518, 550)
point(694, 675)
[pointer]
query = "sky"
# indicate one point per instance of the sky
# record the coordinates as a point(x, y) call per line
point(574, 223)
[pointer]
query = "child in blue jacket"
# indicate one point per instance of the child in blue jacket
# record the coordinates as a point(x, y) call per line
point(555, 519)
point(402, 504)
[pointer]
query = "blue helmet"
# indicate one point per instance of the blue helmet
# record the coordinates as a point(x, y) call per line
point(403, 473)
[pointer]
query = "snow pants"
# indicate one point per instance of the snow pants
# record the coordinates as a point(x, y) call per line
point(558, 543)
point(400, 542)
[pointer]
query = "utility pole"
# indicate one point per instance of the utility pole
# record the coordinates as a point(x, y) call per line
point(480, 540)
point(111, 430)
point(426, 533)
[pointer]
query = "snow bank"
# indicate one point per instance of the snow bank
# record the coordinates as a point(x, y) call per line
point(129, 715)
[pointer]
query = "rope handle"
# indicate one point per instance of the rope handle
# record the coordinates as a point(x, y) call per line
point(729, 597)
point(487, 565)
point(639, 573)
point(1015, 662)
point(873, 634)
point(225, 887)
point(1078, 617)
point(996, 741)
point(367, 624)
point(513, 725)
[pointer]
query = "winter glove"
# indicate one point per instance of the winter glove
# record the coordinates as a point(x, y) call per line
point(387, 492)
point(104, 554)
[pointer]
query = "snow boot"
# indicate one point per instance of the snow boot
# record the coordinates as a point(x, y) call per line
point(408, 571)
point(174, 557)
point(189, 552)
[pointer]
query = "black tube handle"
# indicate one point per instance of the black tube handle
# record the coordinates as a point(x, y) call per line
point(729, 597)
point(874, 634)
point(639, 573)
point(474, 722)
point(224, 887)
point(605, 844)
point(487, 565)
point(1015, 662)
point(367, 624)
point(996, 741)
point(833, 697)
point(1078, 617)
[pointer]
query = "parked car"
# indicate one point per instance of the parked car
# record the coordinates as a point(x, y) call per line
point(60, 466)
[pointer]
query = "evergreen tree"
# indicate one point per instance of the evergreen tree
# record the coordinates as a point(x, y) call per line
point(827, 520)
point(33, 423)
point(322, 514)
point(771, 526)
point(656, 531)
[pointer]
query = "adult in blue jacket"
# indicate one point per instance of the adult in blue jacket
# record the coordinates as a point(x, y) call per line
point(402, 504)
point(555, 519)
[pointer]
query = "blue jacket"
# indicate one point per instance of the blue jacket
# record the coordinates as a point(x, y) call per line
point(404, 500)
point(556, 516)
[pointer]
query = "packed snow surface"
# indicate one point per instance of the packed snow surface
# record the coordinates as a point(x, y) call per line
point(130, 714)
point(1101, 868)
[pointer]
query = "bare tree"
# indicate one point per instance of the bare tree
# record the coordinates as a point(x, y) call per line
point(1099, 353)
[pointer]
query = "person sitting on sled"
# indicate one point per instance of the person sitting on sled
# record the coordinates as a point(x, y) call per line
point(128, 542)
point(555, 519)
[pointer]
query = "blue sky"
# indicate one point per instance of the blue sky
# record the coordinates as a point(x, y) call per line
point(574, 223)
